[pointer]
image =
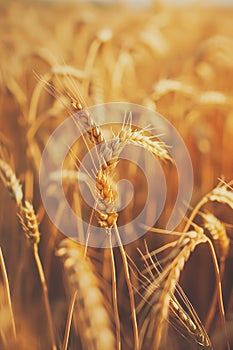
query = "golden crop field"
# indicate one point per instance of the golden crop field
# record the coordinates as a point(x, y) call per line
point(116, 169)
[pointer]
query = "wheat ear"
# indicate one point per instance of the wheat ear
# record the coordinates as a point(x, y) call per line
point(192, 324)
point(43, 82)
point(109, 155)
point(159, 292)
point(165, 86)
point(138, 137)
point(222, 244)
point(107, 218)
point(79, 107)
point(218, 233)
point(91, 314)
point(11, 182)
point(222, 194)
point(29, 224)
point(106, 195)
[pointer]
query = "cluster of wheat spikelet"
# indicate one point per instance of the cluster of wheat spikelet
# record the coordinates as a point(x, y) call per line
point(167, 290)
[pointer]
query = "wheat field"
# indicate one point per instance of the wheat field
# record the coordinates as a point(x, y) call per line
point(165, 289)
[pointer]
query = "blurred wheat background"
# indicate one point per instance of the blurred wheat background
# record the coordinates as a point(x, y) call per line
point(56, 59)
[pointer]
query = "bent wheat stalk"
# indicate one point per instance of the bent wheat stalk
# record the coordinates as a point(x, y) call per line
point(216, 269)
point(190, 322)
point(160, 291)
point(102, 37)
point(221, 242)
point(222, 194)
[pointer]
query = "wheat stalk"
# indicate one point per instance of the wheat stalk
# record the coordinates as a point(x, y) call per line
point(6, 292)
point(221, 194)
point(222, 244)
point(106, 210)
point(191, 323)
point(69, 320)
point(107, 195)
point(14, 87)
point(160, 291)
point(97, 86)
point(29, 224)
point(102, 36)
point(114, 296)
point(109, 153)
point(55, 71)
point(130, 289)
point(5, 319)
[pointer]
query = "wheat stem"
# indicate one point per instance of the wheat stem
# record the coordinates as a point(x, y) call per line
point(35, 97)
point(219, 194)
point(219, 290)
point(114, 297)
point(7, 290)
point(45, 294)
point(88, 232)
point(102, 37)
point(29, 224)
point(69, 320)
point(130, 288)
point(212, 308)
point(203, 201)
